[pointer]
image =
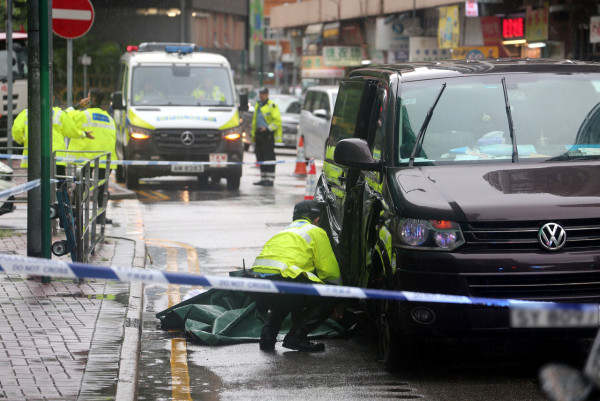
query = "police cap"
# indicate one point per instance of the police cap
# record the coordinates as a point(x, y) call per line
point(308, 209)
point(264, 89)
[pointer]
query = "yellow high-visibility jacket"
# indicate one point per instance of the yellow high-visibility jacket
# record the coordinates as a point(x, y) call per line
point(215, 94)
point(301, 249)
point(272, 117)
point(102, 126)
point(62, 127)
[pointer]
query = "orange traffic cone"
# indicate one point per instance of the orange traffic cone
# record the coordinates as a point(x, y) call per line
point(300, 157)
point(311, 181)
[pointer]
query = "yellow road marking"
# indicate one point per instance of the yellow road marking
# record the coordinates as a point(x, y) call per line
point(180, 378)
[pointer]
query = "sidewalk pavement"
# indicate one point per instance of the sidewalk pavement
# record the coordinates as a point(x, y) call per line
point(71, 341)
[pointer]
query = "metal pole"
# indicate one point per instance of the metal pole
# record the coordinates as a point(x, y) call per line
point(34, 210)
point(46, 123)
point(85, 80)
point(261, 64)
point(70, 73)
point(9, 78)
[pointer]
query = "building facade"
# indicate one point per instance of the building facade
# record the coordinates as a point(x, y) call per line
point(337, 35)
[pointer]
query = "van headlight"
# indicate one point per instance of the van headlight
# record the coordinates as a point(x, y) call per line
point(442, 235)
point(139, 132)
point(232, 134)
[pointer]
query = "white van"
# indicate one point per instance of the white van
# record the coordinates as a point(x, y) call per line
point(176, 103)
point(315, 119)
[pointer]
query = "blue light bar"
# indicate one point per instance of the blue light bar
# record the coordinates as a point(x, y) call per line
point(179, 49)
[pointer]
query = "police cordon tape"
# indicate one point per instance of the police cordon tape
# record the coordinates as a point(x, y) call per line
point(29, 185)
point(157, 162)
point(585, 315)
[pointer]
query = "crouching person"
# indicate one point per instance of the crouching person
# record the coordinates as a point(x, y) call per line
point(300, 253)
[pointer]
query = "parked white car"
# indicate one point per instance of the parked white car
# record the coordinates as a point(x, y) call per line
point(6, 182)
point(315, 119)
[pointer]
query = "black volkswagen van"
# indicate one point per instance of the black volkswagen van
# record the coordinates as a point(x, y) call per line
point(468, 178)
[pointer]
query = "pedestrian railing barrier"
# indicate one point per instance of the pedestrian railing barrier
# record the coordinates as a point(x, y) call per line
point(560, 314)
point(90, 201)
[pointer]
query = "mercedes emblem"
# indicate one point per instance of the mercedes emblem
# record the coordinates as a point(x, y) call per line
point(552, 236)
point(187, 138)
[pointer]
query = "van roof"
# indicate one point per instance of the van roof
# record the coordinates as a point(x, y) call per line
point(161, 57)
point(416, 71)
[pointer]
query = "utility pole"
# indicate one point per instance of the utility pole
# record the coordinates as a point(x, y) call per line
point(9, 78)
point(39, 129)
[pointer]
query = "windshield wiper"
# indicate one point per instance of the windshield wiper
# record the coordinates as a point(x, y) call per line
point(424, 126)
point(511, 126)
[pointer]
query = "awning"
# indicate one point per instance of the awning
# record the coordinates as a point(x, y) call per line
point(313, 29)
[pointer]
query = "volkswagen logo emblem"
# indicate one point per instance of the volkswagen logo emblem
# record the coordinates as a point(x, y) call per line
point(552, 236)
point(187, 138)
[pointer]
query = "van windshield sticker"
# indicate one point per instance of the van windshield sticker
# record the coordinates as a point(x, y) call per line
point(185, 117)
point(408, 101)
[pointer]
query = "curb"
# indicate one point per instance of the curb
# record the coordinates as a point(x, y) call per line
point(130, 349)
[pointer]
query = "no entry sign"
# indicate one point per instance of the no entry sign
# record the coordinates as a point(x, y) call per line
point(72, 18)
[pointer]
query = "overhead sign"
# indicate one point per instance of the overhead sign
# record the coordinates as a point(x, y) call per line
point(72, 19)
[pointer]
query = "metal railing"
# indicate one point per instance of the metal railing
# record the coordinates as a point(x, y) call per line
point(90, 201)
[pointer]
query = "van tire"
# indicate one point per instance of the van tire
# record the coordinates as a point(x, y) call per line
point(397, 351)
point(132, 180)
point(233, 182)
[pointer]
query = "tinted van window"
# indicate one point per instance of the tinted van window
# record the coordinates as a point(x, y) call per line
point(346, 111)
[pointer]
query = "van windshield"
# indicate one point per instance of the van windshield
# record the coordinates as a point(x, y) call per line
point(555, 117)
point(181, 85)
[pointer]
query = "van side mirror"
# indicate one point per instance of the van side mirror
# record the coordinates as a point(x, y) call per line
point(321, 113)
point(355, 153)
point(117, 101)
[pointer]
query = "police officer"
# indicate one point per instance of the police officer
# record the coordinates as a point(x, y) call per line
point(93, 118)
point(300, 253)
point(266, 127)
point(62, 127)
point(209, 91)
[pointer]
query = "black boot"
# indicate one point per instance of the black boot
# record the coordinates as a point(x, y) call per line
point(268, 338)
point(298, 341)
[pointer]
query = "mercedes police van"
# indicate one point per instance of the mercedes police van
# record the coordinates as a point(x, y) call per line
point(177, 103)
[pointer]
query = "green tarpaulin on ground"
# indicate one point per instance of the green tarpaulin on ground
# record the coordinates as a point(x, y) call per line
point(218, 317)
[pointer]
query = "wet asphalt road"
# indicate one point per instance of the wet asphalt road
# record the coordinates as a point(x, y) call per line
point(210, 230)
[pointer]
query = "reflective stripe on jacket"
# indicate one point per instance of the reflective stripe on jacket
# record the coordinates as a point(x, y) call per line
point(302, 248)
point(273, 118)
point(62, 127)
point(102, 126)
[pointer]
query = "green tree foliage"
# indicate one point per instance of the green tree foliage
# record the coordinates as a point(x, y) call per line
point(19, 15)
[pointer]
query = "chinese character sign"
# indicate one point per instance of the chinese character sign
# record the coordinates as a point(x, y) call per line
point(342, 56)
point(448, 27)
point(537, 24)
point(513, 28)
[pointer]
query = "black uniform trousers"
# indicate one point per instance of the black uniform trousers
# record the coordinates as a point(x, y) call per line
point(265, 149)
point(307, 312)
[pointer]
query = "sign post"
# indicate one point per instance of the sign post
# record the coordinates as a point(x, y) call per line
point(71, 19)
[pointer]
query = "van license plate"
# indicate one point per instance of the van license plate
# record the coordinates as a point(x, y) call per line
point(192, 168)
point(526, 316)
point(218, 159)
